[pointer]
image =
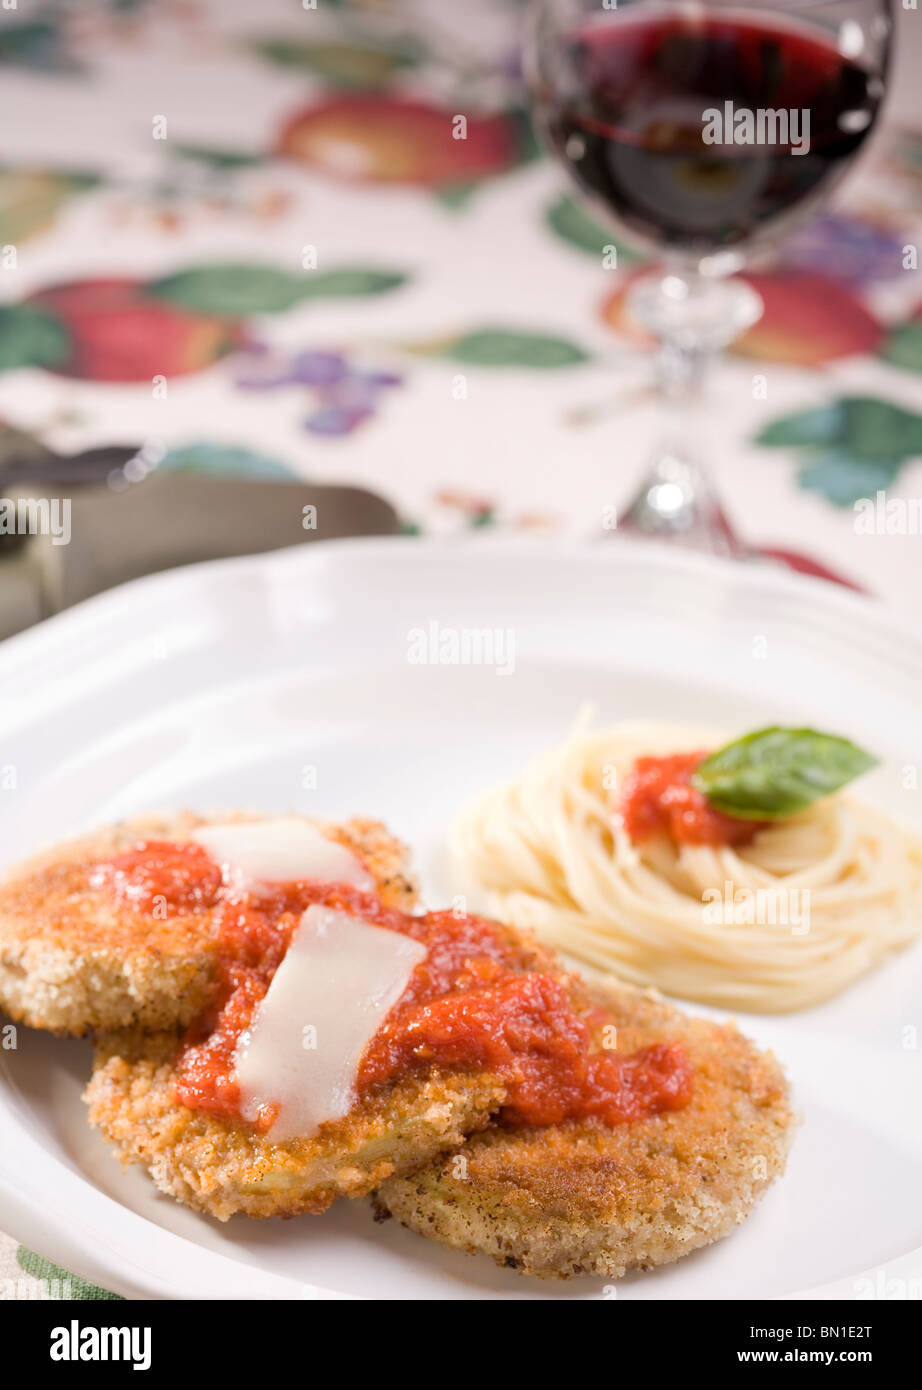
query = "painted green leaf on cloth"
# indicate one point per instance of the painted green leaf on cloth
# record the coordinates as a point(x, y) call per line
point(570, 220)
point(30, 200)
point(39, 43)
point(215, 156)
point(843, 479)
point(235, 290)
point(348, 64)
point(238, 290)
point(58, 1283)
point(223, 459)
point(29, 338)
point(334, 284)
point(875, 429)
point(504, 347)
point(867, 426)
point(904, 346)
point(455, 196)
point(820, 426)
point(852, 446)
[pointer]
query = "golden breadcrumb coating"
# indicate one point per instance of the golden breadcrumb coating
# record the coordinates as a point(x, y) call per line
point(73, 959)
point(582, 1198)
point(221, 1167)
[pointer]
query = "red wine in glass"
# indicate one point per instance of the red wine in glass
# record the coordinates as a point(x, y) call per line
point(629, 117)
point(701, 128)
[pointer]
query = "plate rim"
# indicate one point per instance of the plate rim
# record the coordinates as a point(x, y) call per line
point(750, 575)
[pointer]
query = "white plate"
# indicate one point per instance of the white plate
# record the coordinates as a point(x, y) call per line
point(222, 685)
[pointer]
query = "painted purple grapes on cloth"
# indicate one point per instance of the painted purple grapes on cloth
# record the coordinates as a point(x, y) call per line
point(343, 395)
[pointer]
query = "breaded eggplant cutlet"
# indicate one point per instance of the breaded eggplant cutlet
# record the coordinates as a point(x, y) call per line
point(551, 1199)
point(298, 1030)
point(74, 958)
point(221, 1165)
point(586, 1198)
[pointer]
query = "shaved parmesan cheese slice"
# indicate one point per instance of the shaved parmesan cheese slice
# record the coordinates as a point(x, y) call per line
point(279, 850)
point(338, 982)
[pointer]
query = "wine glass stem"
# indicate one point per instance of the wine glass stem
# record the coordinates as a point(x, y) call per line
point(693, 317)
point(682, 375)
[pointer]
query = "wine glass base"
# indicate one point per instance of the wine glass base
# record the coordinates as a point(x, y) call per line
point(676, 502)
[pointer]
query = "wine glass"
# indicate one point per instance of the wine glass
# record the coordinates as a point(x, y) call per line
point(702, 129)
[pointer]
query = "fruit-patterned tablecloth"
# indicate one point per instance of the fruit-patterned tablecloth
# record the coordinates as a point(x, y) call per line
point(317, 239)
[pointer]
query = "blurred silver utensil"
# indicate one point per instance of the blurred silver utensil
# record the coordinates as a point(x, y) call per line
point(168, 519)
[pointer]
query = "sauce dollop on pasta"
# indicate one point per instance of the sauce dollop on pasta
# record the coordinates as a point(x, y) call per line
point(659, 799)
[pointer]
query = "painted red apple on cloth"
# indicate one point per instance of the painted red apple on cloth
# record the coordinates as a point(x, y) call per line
point(374, 138)
point(808, 319)
point(117, 331)
point(127, 329)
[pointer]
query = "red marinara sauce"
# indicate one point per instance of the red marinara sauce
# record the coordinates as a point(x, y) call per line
point(659, 799)
point(157, 874)
point(473, 1002)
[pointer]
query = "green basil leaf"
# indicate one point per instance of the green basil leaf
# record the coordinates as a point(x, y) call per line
point(777, 772)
